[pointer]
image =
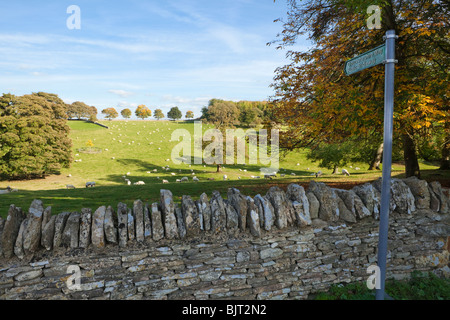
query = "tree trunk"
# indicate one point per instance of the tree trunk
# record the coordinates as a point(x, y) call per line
point(335, 170)
point(410, 157)
point(378, 155)
point(219, 168)
point(445, 161)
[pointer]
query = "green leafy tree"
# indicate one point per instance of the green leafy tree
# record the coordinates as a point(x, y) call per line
point(159, 114)
point(126, 113)
point(143, 112)
point(34, 136)
point(174, 114)
point(110, 113)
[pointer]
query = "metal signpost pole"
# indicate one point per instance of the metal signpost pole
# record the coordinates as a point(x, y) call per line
point(387, 159)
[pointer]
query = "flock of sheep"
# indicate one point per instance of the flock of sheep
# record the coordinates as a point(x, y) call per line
point(183, 179)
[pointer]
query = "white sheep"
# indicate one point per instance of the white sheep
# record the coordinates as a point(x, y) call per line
point(90, 184)
point(195, 179)
point(69, 186)
point(165, 181)
point(345, 172)
point(139, 183)
point(178, 180)
point(184, 179)
point(225, 177)
point(173, 173)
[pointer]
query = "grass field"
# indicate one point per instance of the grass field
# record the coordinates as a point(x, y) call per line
point(139, 147)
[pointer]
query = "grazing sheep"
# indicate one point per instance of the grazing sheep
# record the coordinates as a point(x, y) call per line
point(178, 180)
point(172, 173)
point(165, 181)
point(184, 179)
point(139, 183)
point(292, 174)
point(90, 184)
point(239, 178)
point(345, 172)
point(282, 175)
point(225, 177)
point(318, 174)
point(128, 182)
point(155, 170)
point(69, 186)
point(195, 179)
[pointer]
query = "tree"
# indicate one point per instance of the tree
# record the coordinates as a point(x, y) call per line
point(110, 113)
point(80, 110)
point(189, 115)
point(126, 113)
point(317, 103)
point(223, 115)
point(34, 136)
point(174, 114)
point(143, 112)
point(159, 114)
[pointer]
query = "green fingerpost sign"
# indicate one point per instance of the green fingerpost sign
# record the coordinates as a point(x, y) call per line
point(366, 60)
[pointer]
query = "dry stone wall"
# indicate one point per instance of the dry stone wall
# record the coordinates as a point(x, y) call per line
point(281, 245)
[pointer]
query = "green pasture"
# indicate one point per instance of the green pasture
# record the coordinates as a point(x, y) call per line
point(137, 148)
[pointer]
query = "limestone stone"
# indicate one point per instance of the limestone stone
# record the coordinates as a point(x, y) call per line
point(157, 224)
point(131, 225)
point(444, 202)
point(85, 227)
point(265, 211)
point(419, 189)
point(138, 212)
point(239, 203)
point(403, 197)
point(147, 224)
point(32, 234)
point(98, 224)
point(204, 210)
point(270, 253)
point(168, 215)
point(70, 235)
point(122, 220)
point(180, 222)
point(297, 195)
point(232, 217)
point(371, 198)
point(253, 218)
point(328, 210)
point(110, 225)
point(314, 205)
point(60, 223)
point(346, 204)
point(46, 218)
point(218, 213)
point(282, 207)
point(48, 233)
point(435, 203)
point(11, 230)
point(18, 245)
point(191, 216)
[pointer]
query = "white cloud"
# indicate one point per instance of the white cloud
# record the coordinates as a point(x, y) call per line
point(122, 93)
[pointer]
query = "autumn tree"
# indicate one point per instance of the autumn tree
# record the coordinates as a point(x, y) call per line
point(189, 115)
point(34, 136)
point(126, 113)
point(110, 113)
point(158, 114)
point(174, 114)
point(143, 112)
point(317, 103)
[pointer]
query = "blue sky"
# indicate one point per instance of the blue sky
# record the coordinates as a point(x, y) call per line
point(158, 53)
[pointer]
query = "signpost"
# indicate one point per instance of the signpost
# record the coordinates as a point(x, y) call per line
point(382, 54)
point(366, 60)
